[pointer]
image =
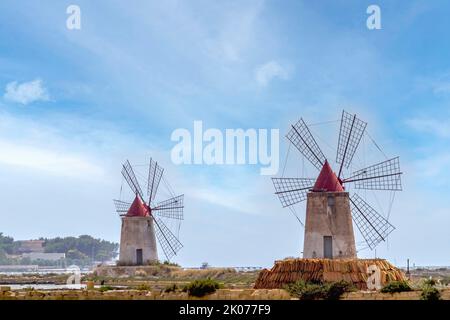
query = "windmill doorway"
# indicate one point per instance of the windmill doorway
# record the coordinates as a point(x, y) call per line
point(328, 247)
point(139, 259)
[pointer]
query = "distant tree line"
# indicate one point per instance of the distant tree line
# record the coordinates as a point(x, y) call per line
point(79, 250)
point(82, 247)
point(8, 245)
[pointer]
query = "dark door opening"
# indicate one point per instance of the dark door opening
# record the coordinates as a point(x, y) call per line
point(328, 247)
point(139, 259)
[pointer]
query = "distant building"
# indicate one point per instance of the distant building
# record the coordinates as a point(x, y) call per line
point(27, 246)
point(44, 256)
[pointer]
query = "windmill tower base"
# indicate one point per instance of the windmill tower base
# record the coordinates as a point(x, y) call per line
point(328, 228)
point(137, 241)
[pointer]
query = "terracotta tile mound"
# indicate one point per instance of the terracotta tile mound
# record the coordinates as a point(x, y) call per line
point(325, 270)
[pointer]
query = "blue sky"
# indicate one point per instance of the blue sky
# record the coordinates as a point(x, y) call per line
point(117, 88)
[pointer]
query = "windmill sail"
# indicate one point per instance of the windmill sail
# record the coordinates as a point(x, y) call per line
point(154, 177)
point(130, 177)
point(373, 227)
point(385, 175)
point(171, 208)
point(292, 190)
point(350, 134)
point(303, 140)
point(122, 207)
point(168, 241)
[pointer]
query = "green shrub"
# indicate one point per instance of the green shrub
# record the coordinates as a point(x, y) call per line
point(429, 282)
point(168, 263)
point(171, 288)
point(396, 286)
point(445, 281)
point(296, 288)
point(336, 289)
point(314, 291)
point(307, 290)
point(430, 293)
point(143, 287)
point(105, 288)
point(200, 288)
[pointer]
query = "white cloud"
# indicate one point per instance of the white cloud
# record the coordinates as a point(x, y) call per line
point(439, 84)
point(237, 32)
point(56, 147)
point(221, 198)
point(436, 127)
point(26, 92)
point(48, 160)
point(434, 167)
point(441, 87)
point(270, 70)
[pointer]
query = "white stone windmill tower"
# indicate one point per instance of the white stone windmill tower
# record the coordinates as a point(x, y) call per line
point(141, 220)
point(329, 208)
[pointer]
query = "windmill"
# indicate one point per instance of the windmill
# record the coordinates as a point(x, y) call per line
point(142, 219)
point(329, 208)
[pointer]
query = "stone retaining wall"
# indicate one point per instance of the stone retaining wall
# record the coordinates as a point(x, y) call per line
point(411, 295)
point(221, 294)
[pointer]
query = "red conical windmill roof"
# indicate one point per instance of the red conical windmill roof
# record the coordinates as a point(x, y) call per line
point(327, 180)
point(138, 209)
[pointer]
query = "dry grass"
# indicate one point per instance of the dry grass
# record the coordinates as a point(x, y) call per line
point(159, 277)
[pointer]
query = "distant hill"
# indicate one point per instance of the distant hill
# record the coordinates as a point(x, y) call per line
point(81, 248)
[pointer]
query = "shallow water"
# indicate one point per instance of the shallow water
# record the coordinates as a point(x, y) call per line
point(46, 286)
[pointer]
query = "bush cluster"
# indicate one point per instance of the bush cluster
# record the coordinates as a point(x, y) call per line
point(143, 287)
point(429, 291)
point(396, 286)
point(171, 288)
point(200, 288)
point(105, 288)
point(314, 291)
